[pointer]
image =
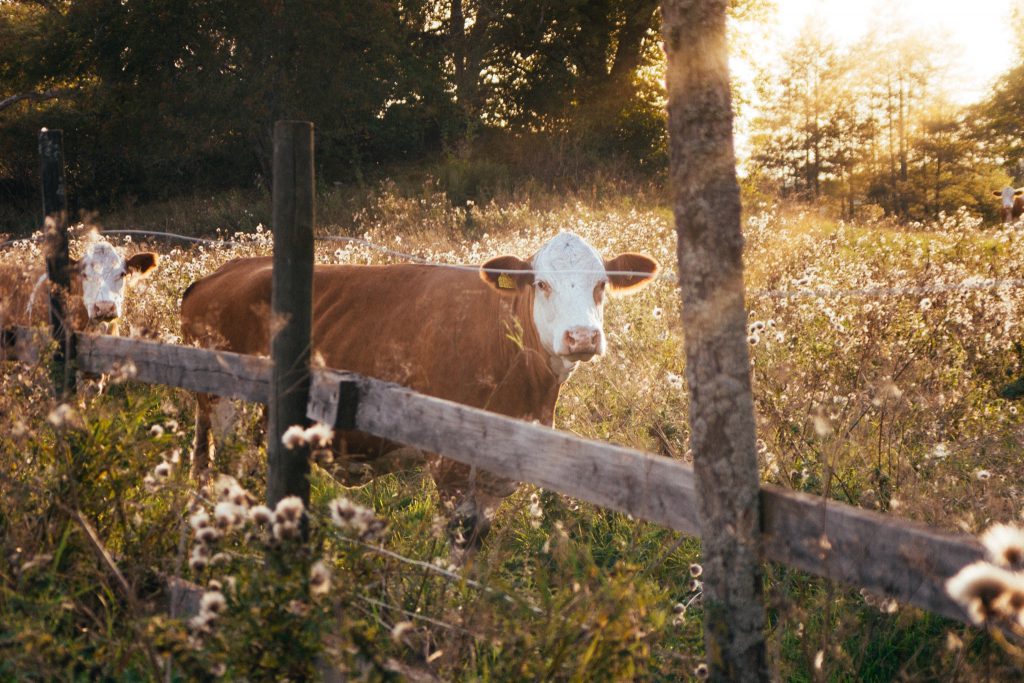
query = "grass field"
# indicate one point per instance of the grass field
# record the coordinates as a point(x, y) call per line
point(877, 353)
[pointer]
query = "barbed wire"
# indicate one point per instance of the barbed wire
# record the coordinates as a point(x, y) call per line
point(973, 283)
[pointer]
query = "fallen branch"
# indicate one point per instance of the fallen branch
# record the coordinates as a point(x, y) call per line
point(51, 94)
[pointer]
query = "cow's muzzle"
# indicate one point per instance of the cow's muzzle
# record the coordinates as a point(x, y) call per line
point(581, 343)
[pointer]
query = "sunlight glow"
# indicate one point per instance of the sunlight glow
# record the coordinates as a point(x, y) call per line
point(977, 32)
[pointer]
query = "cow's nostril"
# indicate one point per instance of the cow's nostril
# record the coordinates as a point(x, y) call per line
point(105, 310)
point(582, 339)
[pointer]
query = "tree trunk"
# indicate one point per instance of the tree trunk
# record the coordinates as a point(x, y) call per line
point(706, 203)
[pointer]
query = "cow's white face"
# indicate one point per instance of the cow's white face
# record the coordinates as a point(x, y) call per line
point(570, 280)
point(568, 306)
point(103, 271)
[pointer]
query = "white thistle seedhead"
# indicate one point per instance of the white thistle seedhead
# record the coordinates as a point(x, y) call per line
point(212, 602)
point(319, 578)
point(199, 519)
point(1004, 544)
point(261, 515)
point(293, 437)
point(979, 588)
point(319, 435)
point(289, 510)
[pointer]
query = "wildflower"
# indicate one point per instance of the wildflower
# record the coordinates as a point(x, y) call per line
point(227, 515)
point(261, 515)
point(319, 435)
point(695, 585)
point(199, 519)
point(149, 482)
point(163, 470)
point(536, 511)
point(696, 570)
point(889, 606)
point(201, 622)
point(156, 431)
point(363, 521)
point(1005, 545)
point(819, 660)
point(674, 380)
point(239, 497)
point(199, 558)
point(319, 578)
point(940, 452)
point(926, 303)
point(979, 586)
point(754, 339)
point(701, 671)
point(207, 535)
point(212, 602)
point(224, 485)
point(65, 416)
point(289, 509)
point(294, 437)
point(983, 475)
point(657, 312)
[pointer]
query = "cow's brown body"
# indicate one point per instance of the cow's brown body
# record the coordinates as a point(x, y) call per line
point(439, 331)
point(24, 298)
point(502, 338)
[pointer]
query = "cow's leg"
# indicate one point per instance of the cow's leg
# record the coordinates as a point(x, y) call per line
point(201, 446)
point(474, 495)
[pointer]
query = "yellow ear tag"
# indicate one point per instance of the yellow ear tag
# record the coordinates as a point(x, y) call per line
point(505, 281)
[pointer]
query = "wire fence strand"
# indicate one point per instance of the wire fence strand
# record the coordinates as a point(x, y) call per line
point(801, 292)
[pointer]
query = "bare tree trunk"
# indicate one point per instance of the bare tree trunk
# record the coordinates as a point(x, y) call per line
point(707, 212)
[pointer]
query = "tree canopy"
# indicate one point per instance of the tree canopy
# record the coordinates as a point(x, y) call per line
point(171, 96)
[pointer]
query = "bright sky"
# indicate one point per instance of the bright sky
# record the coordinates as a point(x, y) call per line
point(978, 31)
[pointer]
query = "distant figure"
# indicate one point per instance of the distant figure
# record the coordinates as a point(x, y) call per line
point(1013, 203)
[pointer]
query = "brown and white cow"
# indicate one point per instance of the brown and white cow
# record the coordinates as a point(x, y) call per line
point(99, 282)
point(1012, 202)
point(503, 338)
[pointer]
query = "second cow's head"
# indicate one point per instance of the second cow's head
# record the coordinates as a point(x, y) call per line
point(570, 280)
point(101, 274)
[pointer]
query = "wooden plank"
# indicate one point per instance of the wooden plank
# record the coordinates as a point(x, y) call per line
point(650, 487)
point(886, 555)
point(222, 373)
point(291, 304)
point(864, 549)
point(907, 561)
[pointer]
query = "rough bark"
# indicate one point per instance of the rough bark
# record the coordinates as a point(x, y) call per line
point(706, 202)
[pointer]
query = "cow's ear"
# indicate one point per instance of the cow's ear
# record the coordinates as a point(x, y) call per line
point(507, 273)
point(630, 272)
point(141, 263)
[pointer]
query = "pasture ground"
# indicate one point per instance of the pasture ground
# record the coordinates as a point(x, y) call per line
point(877, 354)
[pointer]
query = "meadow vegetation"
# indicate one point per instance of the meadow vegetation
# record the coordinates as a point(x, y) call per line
point(877, 356)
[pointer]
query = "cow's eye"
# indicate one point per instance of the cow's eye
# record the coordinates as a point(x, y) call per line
point(544, 287)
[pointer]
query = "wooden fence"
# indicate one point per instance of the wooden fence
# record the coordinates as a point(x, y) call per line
point(865, 549)
point(907, 561)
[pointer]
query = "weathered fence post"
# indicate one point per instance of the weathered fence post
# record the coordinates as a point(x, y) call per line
point(291, 307)
point(55, 222)
point(706, 202)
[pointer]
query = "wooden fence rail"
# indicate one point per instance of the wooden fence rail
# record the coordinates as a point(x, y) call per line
point(907, 561)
